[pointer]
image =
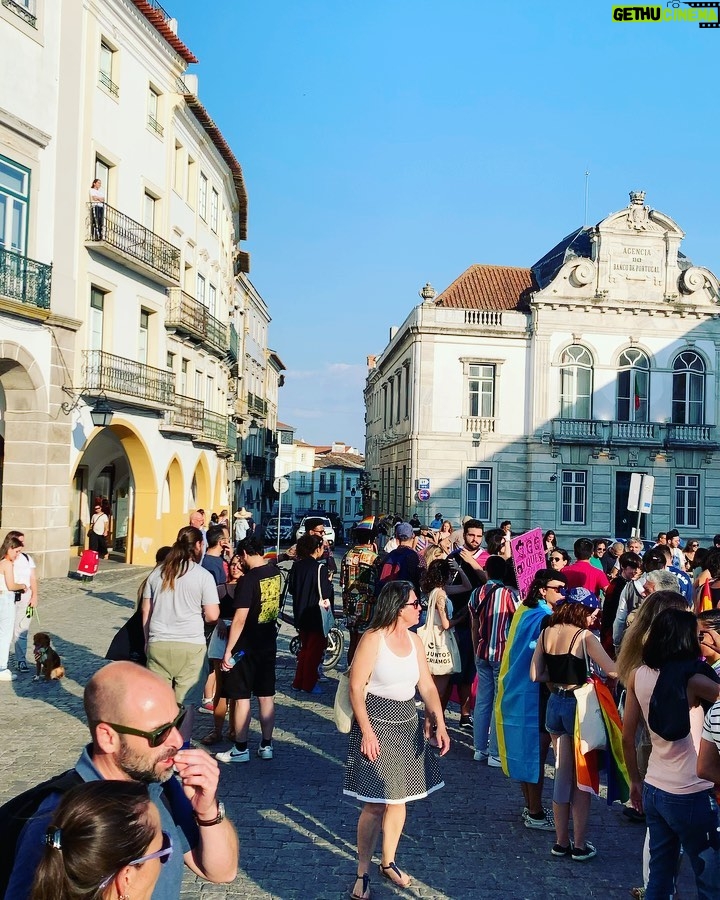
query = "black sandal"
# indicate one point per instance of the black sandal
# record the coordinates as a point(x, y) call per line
point(365, 888)
point(403, 879)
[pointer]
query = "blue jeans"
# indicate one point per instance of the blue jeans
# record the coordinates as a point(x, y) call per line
point(7, 623)
point(484, 731)
point(689, 821)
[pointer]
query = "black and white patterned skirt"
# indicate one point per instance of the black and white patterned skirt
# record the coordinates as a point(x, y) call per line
point(406, 769)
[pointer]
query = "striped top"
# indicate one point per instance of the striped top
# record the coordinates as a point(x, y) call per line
point(492, 607)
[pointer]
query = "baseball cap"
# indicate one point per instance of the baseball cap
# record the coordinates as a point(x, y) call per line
point(404, 531)
point(583, 596)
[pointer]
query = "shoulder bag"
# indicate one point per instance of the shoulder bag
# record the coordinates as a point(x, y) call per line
point(441, 649)
point(326, 613)
point(590, 723)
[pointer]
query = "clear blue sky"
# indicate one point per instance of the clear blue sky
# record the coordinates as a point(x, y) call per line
point(394, 142)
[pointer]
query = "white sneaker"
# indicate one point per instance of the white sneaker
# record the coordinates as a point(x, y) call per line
point(7, 675)
point(494, 762)
point(233, 755)
point(265, 752)
point(479, 755)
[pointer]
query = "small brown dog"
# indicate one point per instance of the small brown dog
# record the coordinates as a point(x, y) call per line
point(47, 663)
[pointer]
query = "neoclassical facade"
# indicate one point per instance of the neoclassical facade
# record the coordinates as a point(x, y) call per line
point(534, 394)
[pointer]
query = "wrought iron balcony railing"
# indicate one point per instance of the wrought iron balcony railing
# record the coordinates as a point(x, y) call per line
point(215, 427)
point(22, 11)
point(232, 437)
point(186, 414)
point(109, 228)
point(24, 280)
point(109, 84)
point(234, 345)
point(256, 404)
point(217, 334)
point(128, 378)
point(184, 313)
point(155, 126)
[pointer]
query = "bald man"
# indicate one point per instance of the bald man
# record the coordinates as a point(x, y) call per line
point(134, 722)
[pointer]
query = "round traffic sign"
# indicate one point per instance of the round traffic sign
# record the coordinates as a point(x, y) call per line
point(423, 494)
point(281, 485)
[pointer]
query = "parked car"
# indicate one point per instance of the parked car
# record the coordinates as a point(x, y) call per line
point(286, 531)
point(327, 524)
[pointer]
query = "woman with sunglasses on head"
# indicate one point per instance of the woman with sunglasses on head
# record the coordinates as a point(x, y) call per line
point(104, 842)
point(389, 761)
point(558, 559)
point(561, 659)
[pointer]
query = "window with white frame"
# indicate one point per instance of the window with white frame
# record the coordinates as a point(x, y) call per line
point(203, 196)
point(688, 400)
point(633, 383)
point(576, 383)
point(332, 506)
point(348, 506)
point(107, 66)
point(212, 299)
point(24, 9)
point(209, 392)
point(573, 501)
point(143, 337)
point(481, 391)
point(14, 201)
point(170, 361)
point(97, 313)
point(102, 172)
point(154, 111)
point(479, 492)
point(179, 168)
point(149, 210)
point(214, 203)
point(321, 504)
point(687, 501)
point(200, 288)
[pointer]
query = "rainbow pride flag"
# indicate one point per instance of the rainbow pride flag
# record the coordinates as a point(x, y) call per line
point(271, 556)
point(588, 765)
point(517, 707)
point(367, 522)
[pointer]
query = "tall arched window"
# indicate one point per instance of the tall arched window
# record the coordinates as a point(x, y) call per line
point(633, 384)
point(688, 403)
point(576, 383)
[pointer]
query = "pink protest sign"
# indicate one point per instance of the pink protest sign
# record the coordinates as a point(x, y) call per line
point(528, 556)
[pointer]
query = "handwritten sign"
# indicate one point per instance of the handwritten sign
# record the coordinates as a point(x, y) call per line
point(528, 556)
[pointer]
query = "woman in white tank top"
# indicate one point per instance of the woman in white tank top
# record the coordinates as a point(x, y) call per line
point(389, 761)
point(8, 554)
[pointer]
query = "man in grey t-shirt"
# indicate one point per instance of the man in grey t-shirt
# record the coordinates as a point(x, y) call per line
point(179, 597)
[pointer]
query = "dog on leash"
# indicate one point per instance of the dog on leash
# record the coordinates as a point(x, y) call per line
point(48, 666)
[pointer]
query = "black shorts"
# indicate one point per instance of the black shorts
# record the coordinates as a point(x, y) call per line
point(253, 674)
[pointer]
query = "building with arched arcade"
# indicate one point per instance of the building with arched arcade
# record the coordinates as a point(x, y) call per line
point(128, 302)
point(533, 394)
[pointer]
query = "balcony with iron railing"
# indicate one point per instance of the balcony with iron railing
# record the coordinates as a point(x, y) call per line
point(256, 404)
point(185, 314)
point(127, 378)
point(109, 85)
point(233, 351)
point(155, 126)
point(216, 337)
point(24, 284)
point(232, 437)
point(254, 465)
point(185, 416)
point(126, 241)
point(215, 428)
point(21, 10)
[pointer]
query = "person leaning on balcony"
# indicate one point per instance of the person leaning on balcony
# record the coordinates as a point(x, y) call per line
point(97, 209)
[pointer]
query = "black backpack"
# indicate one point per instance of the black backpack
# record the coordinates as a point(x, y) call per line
point(16, 813)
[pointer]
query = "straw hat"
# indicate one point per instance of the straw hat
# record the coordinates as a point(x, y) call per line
point(242, 513)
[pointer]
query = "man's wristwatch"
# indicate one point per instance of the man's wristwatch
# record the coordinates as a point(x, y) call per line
point(218, 818)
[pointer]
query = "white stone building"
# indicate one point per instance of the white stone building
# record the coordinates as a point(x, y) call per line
point(534, 394)
point(142, 285)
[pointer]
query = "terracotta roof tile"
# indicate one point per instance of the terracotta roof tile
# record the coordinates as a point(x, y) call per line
point(490, 287)
point(159, 19)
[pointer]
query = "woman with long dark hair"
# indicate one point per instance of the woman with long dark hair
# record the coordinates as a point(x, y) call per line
point(104, 842)
point(389, 762)
point(667, 690)
point(561, 660)
point(178, 597)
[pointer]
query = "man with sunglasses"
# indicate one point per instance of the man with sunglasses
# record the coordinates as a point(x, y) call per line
point(134, 721)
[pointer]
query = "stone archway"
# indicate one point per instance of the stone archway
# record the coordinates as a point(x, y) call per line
point(201, 488)
point(35, 460)
point(172, 506)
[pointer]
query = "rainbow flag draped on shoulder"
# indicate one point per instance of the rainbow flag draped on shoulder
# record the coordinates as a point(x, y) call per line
point(517, 708)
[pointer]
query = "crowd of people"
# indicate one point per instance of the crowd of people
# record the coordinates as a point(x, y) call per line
point(434, 614)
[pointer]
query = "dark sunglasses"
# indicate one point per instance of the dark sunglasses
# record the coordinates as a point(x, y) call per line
point(558, 590)
point(557, 559)
point(158, 735)
point(163, 854)
point(416, 603)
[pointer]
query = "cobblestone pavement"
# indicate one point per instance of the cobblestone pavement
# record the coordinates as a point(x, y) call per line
point(297, 831)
